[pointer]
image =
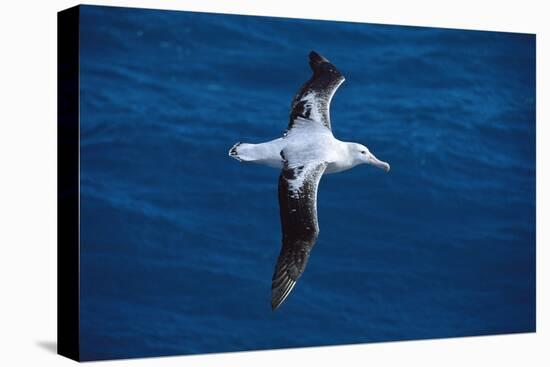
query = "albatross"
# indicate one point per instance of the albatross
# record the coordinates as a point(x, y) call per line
point(306, 151)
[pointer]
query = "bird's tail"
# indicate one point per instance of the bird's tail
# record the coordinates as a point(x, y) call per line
point(239, 152)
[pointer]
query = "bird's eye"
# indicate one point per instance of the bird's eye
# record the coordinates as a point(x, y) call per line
point(363, 152)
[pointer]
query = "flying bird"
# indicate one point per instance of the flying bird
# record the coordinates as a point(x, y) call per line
point(306, 151)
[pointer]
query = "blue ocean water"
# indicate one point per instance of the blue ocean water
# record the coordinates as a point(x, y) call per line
point(179, 241)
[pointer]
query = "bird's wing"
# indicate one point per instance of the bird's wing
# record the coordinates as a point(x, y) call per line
point(298, 208)
point(312, 102)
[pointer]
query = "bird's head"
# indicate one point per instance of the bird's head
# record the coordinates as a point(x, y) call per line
point(361, 154)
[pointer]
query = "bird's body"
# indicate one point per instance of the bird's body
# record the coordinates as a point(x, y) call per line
point(307, 150)
point(309, 146)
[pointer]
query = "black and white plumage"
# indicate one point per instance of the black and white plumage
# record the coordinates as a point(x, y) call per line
point(307, 150)
point(312, 102)
point(298, 210)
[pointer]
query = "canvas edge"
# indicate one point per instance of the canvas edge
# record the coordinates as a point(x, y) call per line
point(68, 216)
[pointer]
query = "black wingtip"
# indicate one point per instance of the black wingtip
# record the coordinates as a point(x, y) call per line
point(316, 59)
point(281, 290)
point(320, 64)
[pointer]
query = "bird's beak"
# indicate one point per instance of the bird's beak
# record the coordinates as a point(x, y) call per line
point(371, 159)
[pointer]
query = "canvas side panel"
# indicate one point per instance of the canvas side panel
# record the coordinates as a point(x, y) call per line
point(68, 183)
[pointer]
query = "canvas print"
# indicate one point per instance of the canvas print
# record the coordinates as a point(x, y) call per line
point(235, 191)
